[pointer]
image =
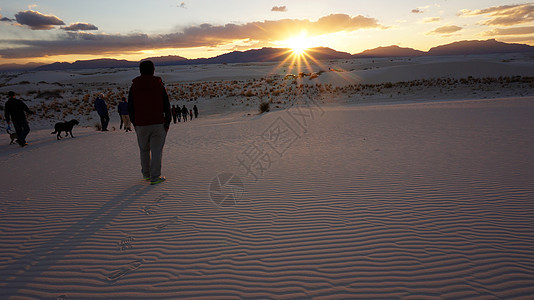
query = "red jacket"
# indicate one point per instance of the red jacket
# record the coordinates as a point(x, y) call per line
point(148, 102)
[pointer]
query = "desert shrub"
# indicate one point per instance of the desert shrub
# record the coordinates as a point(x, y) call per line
point(49, 94)
point(264, 107)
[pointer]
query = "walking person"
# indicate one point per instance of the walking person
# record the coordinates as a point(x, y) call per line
point(174, 113)
point(124, 114)
point(16, 110)
point(191, 114)
point(184, 113)
point(150, 112)
point(195, 110)
point(102, 109)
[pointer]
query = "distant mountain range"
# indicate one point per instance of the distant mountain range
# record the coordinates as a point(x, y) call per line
point(391, 51)
point(281, 54)
point(479, 47)
point(457, 48)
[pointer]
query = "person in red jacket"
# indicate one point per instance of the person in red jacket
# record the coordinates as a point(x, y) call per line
point(150, 113)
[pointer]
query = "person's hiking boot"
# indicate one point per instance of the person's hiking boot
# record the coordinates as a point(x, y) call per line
point(158, 180)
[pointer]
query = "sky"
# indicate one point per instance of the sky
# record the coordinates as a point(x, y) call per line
point(67, 30)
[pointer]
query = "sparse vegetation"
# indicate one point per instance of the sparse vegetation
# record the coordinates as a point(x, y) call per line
point(264, 107)
point(281, 91)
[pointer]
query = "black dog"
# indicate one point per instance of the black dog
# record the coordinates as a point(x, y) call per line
point(65, 126)
point(13, 136)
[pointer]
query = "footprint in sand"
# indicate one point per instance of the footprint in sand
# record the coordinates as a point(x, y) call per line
point(134, 265)
point(152, 209)
point(125, 243)
point(161, 197)
point(149, 210)
point(167, 223)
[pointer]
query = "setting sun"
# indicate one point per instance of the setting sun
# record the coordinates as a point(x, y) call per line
point(298, 49)
point(299, 44)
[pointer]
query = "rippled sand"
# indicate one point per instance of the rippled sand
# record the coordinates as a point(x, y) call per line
point(429, 200)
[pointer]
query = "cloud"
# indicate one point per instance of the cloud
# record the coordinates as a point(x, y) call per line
point(432, 20)
point(204, 35)
point(510, 31)
point(420, 10)
point(80, 27)
point(343, 22)
point(37, 21)
point(4, 19)
point(445, 30)
point(505, 15)
point(211, 35)
point(518, 39)
point(279, 8)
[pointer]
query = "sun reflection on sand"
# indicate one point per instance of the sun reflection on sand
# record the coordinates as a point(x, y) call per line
point(303, 62)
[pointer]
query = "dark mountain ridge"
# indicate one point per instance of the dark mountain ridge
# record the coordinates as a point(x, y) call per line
point(390, 51)
point(478, 47)
point(282, 54)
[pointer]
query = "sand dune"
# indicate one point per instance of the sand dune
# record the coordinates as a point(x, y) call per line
point(425, 200)
point(457, 69)
point(63, 95)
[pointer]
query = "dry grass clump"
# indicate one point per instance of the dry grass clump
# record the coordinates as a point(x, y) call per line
point(264, 107)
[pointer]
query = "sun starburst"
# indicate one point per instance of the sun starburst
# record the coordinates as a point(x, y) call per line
point(299, 44)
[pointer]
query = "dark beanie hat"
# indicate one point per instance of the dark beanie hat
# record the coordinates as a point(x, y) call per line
point(146, 67)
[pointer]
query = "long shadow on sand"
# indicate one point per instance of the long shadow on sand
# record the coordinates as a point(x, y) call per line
point(36, 143)
point(40, 259)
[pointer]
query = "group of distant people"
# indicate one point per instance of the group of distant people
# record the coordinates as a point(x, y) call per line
point(181, 113)
point(177, 113)
point(147, 109)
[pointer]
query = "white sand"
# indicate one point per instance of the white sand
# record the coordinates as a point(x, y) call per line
point(420, 200)
point(63, 95)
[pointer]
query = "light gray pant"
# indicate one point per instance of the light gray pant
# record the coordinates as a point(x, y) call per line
point(151, 139)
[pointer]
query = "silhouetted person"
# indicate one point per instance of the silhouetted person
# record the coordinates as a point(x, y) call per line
point(150, 112)
point(184, 113)
point(16, 110)
point(174, 113)
point(195, 110)
point(190, 114)
point(124, 114)
point(102, 109)
point(120, 118)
